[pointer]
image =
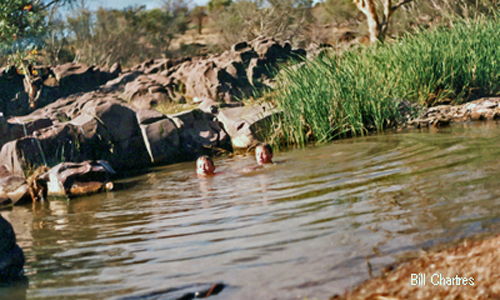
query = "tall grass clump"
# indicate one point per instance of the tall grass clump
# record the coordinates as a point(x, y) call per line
point(358, 91)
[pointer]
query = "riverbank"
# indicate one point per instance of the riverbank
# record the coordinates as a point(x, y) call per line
point(466, 271)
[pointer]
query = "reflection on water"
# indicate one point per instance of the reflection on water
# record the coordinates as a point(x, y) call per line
point(304, 228)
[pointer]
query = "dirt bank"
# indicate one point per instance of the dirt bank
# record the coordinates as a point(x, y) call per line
point(467, 271)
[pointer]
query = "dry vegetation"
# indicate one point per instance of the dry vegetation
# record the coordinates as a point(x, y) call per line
point(476, 260)
point(132, 35)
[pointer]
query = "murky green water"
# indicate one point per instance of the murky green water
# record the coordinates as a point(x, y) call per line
point(303, 228)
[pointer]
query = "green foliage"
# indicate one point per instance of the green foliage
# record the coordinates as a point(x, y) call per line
point(218, 5)
point(354, 92)
point(21, 19)
point(128, 36)
point(21, 25)
point(104, 36)
point(161, 26)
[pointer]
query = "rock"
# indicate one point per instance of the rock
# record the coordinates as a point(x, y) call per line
point(148, 116)
point(246, 125)
point(13, 188)
point(124, 78)
point(115, 70)
point(478, 110)
point(11, 256)
point(200, 133)
point(145, 92)
point(77, 179)
point(209, 106)
point(268, 49)
point(158, 65)
point(4, 130)
point(257, 68)
point(24, 126)
point(162, 141)
point(75, 78)
point(104, 128)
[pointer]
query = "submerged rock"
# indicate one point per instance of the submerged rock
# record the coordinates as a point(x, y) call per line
point(13, 188)
point(11, 256)
point(78, 179)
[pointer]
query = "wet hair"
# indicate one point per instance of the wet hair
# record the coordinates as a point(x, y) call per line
point(207, 158)
point(265, 146)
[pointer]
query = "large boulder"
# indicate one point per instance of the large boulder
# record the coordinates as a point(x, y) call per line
point(146, 92)
point(50, 84)
point(78, 179)
point(161, 136)
point(200, 133)
point(13, 188)
point(11, 256)
point(247, 125)
point(4, 130)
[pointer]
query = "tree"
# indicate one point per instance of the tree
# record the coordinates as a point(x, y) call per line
point(163, 24)
point(22, 25)
point(377, 29)
point(198, 14)
point(104, 37)
point(21, 29)
point(248, 19)
point(218, 5)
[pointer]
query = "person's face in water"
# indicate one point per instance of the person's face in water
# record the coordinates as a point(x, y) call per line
point(263, 156)
point(204, 167)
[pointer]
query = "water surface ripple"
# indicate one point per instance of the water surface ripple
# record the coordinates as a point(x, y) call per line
point(306, 228)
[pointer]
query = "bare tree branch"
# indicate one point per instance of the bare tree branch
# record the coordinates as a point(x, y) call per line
point(400, 3)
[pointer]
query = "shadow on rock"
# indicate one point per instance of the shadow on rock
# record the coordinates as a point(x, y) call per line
point(11, 256)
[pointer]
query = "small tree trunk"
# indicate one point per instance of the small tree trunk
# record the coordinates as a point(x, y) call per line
point(200, 25)
point(367, 7)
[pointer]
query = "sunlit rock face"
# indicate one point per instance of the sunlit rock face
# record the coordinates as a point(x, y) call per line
point(13, 188)
point(11, 256)
point(78, 179)
point(247, 125)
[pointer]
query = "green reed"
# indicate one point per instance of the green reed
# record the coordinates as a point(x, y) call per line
point(357, 91)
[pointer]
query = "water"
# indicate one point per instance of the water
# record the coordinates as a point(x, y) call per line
point(306, 228)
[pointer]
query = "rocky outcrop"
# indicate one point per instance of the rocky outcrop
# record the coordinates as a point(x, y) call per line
point(50, 84)
point(227, 77)
point(90, 121)
point(482, 109)
point(161, 136)
point(11, 256)
point(247, 125)
point(97, 127)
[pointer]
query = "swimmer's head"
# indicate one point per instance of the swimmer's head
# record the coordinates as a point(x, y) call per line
point(205, 166)
point(264, 154)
